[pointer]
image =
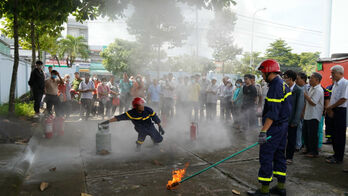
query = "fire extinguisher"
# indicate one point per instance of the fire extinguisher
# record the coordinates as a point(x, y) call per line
point(193, 131)
point(58, 125)
point(49, 127)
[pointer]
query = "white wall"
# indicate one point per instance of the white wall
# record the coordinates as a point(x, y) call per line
point(6, 67)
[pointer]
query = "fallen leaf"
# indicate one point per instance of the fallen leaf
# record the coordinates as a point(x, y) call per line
point(157, 163)
point(103, 152)
point(6, 120)
point(85, 194)
point(53, 169)
point(43, 186)
point(135, 186)
point(235, 192)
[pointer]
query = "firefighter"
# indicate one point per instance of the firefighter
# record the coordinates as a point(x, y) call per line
point(142, 117)
point(275, 116)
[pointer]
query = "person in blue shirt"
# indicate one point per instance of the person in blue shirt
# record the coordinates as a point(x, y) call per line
point(142, 117)
point(154, 94)
point(275, 118)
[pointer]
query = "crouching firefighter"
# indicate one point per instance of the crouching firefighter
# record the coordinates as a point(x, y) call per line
point(275, 123)
point(142, 117)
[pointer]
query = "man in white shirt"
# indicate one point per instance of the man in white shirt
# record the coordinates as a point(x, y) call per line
point(337, 110)
point(86, 88)
point(168, 90)
point(212, 99)
point(312, 115)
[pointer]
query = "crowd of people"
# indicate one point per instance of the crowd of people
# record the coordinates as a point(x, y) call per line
point(197, 98)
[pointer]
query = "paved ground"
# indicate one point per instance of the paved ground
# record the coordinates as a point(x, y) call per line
point(126, 172)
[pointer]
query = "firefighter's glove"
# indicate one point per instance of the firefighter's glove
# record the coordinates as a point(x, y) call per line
point(160, 129)
point(105, 122)
point(262, 137)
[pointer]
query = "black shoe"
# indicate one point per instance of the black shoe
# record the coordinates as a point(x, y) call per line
point(275, 190)
point(257, 193)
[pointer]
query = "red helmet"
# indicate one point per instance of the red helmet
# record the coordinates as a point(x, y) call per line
point(269, 66)
point(138, 101)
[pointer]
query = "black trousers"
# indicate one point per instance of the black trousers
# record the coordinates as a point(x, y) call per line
point(310, 135)
point(291, 145)
point(211, 111)
point(328, 127)
point(339, 123)
point(37, 96)
point(53, 100)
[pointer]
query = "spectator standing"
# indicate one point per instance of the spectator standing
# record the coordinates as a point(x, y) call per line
point(297, 102)
point(114, 99)
point(138, 88)
point(103, 97)
point(48, 74)
point(182, 101)
point(328, 119)
point(258, 102)
point(301, 81)
point(64, 96)
point(125, 96)
point(237, 101)
point(168, 91)
point(37, 86)
point(212, 99)
point(86, 89)
point(154, 95)
point(204, 83)
point(337, 110)
point(313, 111)
point(228, 93)
point(95, 102)
point(194, 91)
point(264, 90)
point(221, 91)
point(51, 91)
point(248, 105)
point(75, 86)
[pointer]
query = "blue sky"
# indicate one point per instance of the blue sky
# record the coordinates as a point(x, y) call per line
point(302, 23)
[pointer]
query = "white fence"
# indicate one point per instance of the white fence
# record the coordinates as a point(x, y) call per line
point(6, 67)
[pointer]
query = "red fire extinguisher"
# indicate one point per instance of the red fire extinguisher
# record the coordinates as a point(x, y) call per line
point(49, 127)
point(193, 131)
point(58, 126)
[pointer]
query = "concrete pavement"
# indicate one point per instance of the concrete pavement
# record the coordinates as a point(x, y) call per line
point(126, 172)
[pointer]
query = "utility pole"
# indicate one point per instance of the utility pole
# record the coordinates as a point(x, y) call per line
point(328, 29)
point(252, 36)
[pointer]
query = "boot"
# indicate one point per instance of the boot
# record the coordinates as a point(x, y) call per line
point(138, 147)
point(257, 193)
point(276, 191)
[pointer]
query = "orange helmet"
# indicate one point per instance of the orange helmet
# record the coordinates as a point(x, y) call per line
point(269, 66)
point(137, 101)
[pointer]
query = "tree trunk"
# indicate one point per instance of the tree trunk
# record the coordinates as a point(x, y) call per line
point(11, 107)
point(33, 50)
point(39, 55)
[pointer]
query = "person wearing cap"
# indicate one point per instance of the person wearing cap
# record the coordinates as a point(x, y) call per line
point(275, 118)
point(37, 86)
point(142, 117)
point(212, 99)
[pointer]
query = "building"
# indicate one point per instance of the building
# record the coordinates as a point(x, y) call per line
point(324, 65)
point(77, 29)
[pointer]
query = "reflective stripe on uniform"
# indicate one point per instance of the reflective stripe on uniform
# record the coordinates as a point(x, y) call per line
point(140, 118)
point(140, 142)
point(327, 136)
point(265, 179)
point(279, 173)
point(279, 100)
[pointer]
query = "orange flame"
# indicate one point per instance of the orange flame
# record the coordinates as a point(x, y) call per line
point(177, 176)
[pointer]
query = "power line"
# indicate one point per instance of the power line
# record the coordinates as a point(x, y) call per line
point(279, 24)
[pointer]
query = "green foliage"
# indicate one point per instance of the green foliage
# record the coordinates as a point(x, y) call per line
point(192, 64)
point(280, 51)
point(21, 109)
point(72, 47)
point(308, 62)
point(125, 56)
point(215, 5)
point(243, 67)
point(220, 36)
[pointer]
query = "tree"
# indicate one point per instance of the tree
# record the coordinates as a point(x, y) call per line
point(220, 36)
point(308, 61)
point(243, 67)
point(215, 5)
point(280, 51)
point(125, 56)
point(71, 48)
point(157, 22)
point(191, 64)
